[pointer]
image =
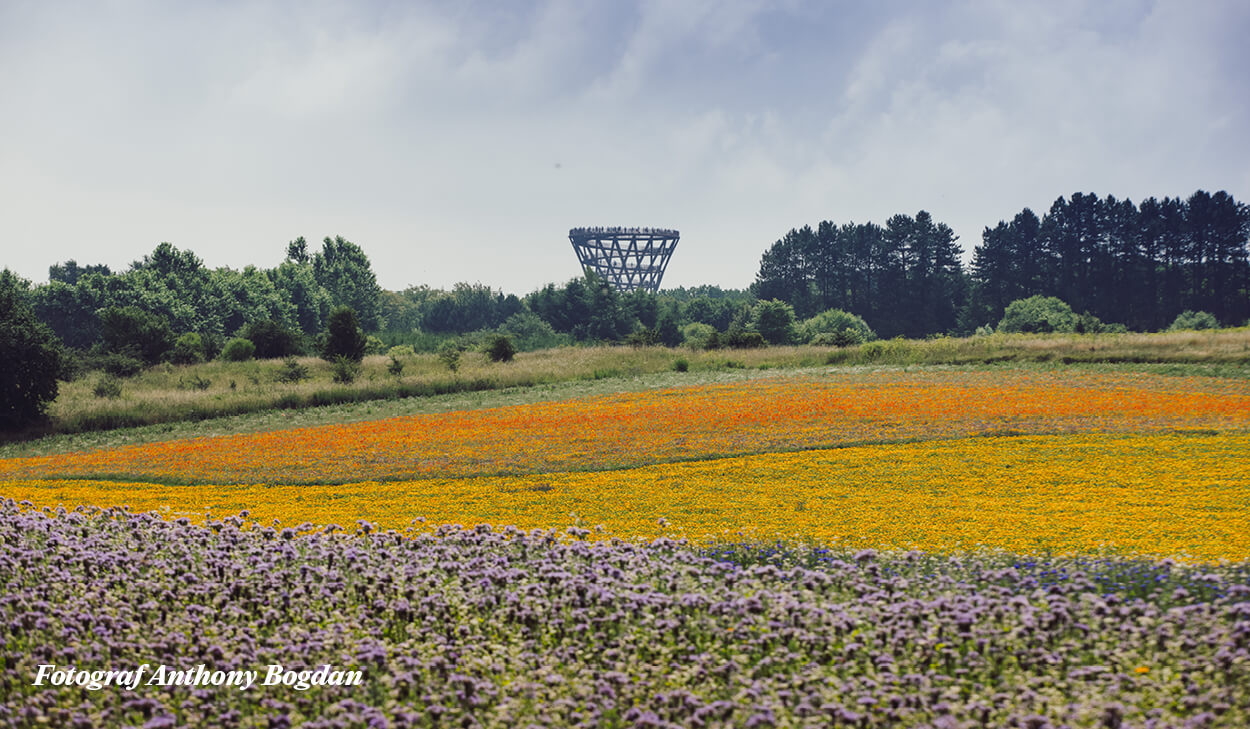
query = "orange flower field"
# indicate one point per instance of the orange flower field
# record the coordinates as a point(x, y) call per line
point(939, 459)
point(635, 429)
point(1162, 494)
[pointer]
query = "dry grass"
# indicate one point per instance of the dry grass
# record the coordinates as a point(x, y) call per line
point(169, 394)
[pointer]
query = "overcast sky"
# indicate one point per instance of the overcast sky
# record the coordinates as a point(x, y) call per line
point(459, 141)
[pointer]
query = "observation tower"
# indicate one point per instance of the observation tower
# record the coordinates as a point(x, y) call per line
point(627, 258)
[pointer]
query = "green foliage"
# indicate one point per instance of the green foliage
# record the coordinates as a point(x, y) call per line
point(131, 330)
point(343, 336)
point(116, 364)
point(194, 382)
point(345, 370)
point(188, 349)
point(449, 355)
point(529, 332)
point(401, 350)
point(696, 335)
point(272, 339)
point(108, 386)
point(374, 345)
point(343, 270)
point(643, 337)
point(30, 356)
point(291, 371)
point(681, 364)
point(834, 327)
point(500, 349)
point(1038, 314)
point(1193, 320)
point(396, 366)
point(738, 338)
point(668, 326)
point(774, 320)
point(238, 350)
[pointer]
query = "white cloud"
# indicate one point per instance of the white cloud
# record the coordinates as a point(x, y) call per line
point(460, 141)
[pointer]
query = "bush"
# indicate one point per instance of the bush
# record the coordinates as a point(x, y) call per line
point(402, 350)
point(189, 349)
point(774, 320)
point(30, 356)
point(1193, 320)
point(117, 364)
point(449, 354)
point(528, 331)
point(744, 339)
point(137, 332)
point(343, 336)
point(696, 334)
point(291, 371)
point(681, 365)
point(643, 338)
point(837, 328)
point(500, 349)
point(238, 350)
point(272, 340)
point(374, 345)
point(396, 367)
point(346, 370)
point(1038, 314)
point(108, 386)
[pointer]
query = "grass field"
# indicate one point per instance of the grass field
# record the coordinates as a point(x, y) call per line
point(170, 395)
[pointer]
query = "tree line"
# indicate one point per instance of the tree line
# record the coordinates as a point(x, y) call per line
point(1137, 265)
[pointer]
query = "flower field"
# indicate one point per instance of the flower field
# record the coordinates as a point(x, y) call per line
point(634, 429)
point(942, 548)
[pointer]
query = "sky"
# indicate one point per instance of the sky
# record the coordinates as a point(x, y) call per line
point(459, 140)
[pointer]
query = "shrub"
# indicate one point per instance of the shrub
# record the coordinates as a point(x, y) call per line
point(774, 320)
point(744, 339)
point(1193, 320)
point(696, 334)
point(500, 349)
point(396, 367)
point(346, 370)
point(272, 340)
point(835, 327)
point(189, 349)
point(643, 337)
point(137, 332)
point(30, 356)
point(1038, 314)
point(374, 345)
point(343, 336)
point(117, 364)
point(291, 371)
point(108, 386)
point(402, 350)
point(872, 350)
point(681, 365)
point(195, 382)
point(238, 350)
point(449, 354)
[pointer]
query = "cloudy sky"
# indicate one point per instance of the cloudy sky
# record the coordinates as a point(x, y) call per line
point(459, 141)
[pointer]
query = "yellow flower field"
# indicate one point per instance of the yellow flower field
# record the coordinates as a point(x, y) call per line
point(634, 429)
point(1172, 494)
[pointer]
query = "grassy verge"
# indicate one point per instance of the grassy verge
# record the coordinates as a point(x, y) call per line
point(183, 399)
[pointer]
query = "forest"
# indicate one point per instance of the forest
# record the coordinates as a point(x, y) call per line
point(1136, 265)
point(1112, 263)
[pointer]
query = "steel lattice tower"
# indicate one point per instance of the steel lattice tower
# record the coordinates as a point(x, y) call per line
point(627, 258)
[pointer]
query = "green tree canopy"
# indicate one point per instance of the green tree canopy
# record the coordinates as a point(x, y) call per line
point(30, 354)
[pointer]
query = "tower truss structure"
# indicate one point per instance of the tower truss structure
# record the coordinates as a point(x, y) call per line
point(627, 258)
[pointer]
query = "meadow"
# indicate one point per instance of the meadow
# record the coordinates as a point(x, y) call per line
point(175, 395)
point(1007, 544)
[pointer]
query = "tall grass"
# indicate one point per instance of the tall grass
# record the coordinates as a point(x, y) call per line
point(192, 393)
